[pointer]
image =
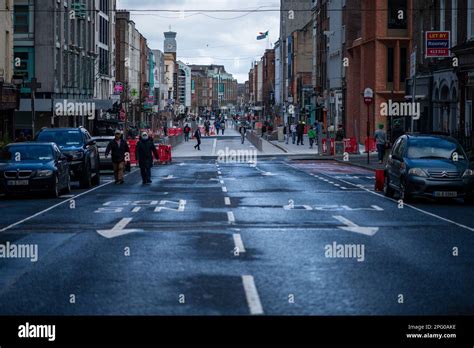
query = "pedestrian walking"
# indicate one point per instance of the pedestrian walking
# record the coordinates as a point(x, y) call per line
point(311, 136)
point(300, 133)
point(242, 131)
point(197, 135)
point(340, 133)
point(207, 127)
point(144, 153)
point(293, 133)
point(381, 141)
point(119, 149)
point(223, 126)
point(186, 131)
point(264, 129)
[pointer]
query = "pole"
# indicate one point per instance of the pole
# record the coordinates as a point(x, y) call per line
point(33, 113)
point(368, 134)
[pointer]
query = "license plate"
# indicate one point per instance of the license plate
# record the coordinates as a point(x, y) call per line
point(18, 183)
point(445, 194)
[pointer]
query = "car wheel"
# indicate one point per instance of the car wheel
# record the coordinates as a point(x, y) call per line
point(387, 190)
point(86, 180)
point(67, 189)
point(405, 194)
point(55, 192)
point(469, 200)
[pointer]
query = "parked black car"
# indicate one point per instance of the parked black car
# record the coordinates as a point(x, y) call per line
point(34, 167)
point(428, 165)
point(76, 142)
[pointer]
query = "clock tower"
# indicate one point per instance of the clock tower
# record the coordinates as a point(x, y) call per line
point(170, 45)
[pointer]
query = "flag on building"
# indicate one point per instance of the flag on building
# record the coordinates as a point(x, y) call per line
point(262, 36)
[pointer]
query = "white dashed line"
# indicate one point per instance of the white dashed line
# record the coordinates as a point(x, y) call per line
point(224, 189)
point(227, 200)
point(238, 243)
point(231, 217)
point(251, 293)
point(136, 209)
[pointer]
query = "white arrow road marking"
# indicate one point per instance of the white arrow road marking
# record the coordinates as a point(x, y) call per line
point(251, 293)
point(352, 227)
point(238, 243)
point(118, 229)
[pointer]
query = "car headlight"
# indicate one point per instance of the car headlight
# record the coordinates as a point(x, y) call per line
point(44, 173)
point(418, 172)
point(468, 173)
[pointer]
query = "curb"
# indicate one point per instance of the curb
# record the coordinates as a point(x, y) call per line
point(357, 165)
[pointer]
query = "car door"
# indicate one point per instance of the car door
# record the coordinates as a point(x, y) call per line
point(398, 162)
point(391, 162)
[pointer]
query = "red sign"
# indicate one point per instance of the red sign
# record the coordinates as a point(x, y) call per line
point(438, 44)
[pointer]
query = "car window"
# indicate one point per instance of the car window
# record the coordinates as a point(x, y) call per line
point(27, 153)
point(396, 147)
point(432, 148)
point(62, 137)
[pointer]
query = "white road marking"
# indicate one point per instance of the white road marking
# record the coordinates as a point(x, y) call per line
point(224, 189)
point(251, 293)
point(136, 209)
point(57, 205)
point(169, 177)
point(408, 205)
point(343, 188)
point(220, 173)
point(118, 229)
point(214, 145)
point(222, 182)
point(227, 200)
point(67, 196)
point(352, 227)
point(238, 243)
point(230, 217)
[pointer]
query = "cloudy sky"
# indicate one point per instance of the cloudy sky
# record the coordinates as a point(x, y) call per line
point(223, 39)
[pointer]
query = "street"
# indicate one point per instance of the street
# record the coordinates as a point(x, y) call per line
point(282, 237)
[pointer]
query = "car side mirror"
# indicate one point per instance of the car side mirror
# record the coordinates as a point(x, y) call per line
point(90, 143)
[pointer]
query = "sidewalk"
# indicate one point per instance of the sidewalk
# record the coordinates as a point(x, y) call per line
point(293, 149)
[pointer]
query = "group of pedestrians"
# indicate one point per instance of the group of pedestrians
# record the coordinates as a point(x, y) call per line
point(296, 132)
point(144, 152)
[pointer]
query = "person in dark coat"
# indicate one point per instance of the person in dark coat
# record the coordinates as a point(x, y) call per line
point(300, 133)
point(197, 135)
point(119, 149)
point(144, 153)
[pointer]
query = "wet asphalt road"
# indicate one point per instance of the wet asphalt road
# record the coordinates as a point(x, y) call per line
point(211, 238)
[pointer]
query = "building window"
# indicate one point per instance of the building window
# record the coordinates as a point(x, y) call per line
point(26, 69)
point(470, 20)
point(390, 64)
point(21, 19)
point(403, 64)
point(397, 14)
